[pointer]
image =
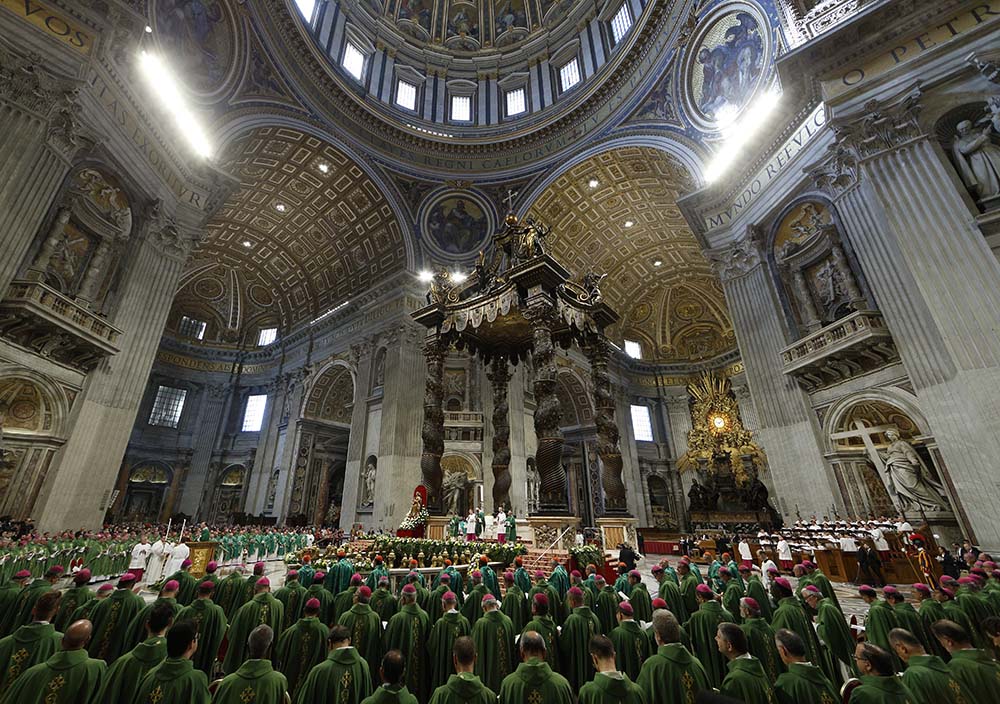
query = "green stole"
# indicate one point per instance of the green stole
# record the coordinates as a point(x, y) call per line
point(747, 682)
point(343, 678)
point(173, 681)
point(366, 633)
point(494, 639)
point(440, 644)
point(211, 622)
point(122, 680)
point(534, 681)
point(66, 677)
point(299, 649)
point(574, 646)
point(804, 683)
point(760, 639)
point(632, 648)
point(407, 632)
point(930, 682)
point(255, 681)
point(262, 609)
point(611, 688)
point(672, 675)
point(24, 648)
point(464, 688)
point(702, 626)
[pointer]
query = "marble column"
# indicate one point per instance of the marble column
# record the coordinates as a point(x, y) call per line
point(679, 422)
point(212, 404)
point(77, 489)
point(598, 351)
point(432, 433)
point(499, 375)
point(90, 287)
point(788, 428)
point(362, 357)
point(37, 144)
point(937, 284)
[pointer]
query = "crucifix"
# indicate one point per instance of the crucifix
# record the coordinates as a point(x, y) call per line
point(510, 200)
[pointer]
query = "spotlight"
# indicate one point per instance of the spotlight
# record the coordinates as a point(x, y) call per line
point(149, 30)
point(325, 168)
point(629, 223)
point(657, 262)
point(280, 207)
point(247, 243)
point(594, 183)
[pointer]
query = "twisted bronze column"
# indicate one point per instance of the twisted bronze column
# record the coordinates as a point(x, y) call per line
point(548, 412)
point(432, 432)
point(499, 376)
point(598, 351)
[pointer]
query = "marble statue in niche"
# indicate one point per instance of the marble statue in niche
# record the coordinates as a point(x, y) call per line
point(534, 485)
point(907, 475)
point(368, 476)
point(455, 484)
point(978, 156)
point(829, 282)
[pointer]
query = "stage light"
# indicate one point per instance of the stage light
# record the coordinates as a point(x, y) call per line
point(161, 80)
point(426, 276)
point(280, 207)
point(149, 30)
point(325, 168)
point(737, 134)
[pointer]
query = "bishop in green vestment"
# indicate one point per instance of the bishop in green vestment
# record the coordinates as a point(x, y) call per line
point(930, 611)
point(906, 616)
point(638, 597)
point(26, 598)
point(383, 602)
point(542, 586)
point(343, 677)
point(68, 676)
point(732, 592)
point(493, 636)
point(472, 609)
point(378, 572)
point(73, 598)
point(318, 591)
point(9, 594)
point(343, 602)
point(515, 604)
point(670, 593)
point(365, 627)
point(339, 577)
point(227, 592)
point(978, 674)
point(745, 680)
point(407, 632)
point(256, 680)
point(136, 632)
point(176, 680)
point(879, 620)
point(802, 682)
point(622, 585)
point(792, 616)
point(210, 620)
point(609, 686)
point(187, 584)
point(123, 677)
point(542, 624)
point(756, 591)
point(30, 644)
point(451, 626)
point(760, 638)
point(835, 634)
point(521, 577)
point(534, 681)
point(434, 609)
point(292, 596)
point(632, 646)
point(302, 647)
point(489, 576)
point(606, 605)
point(574, 641)
point(688, 587)
point(926, 676)
point(262, 609)
point(702, 627)
point(111, 618)
point(879, 684)
point(392, 690)
point(671, 674)
point(464, 687)
point(559, 579)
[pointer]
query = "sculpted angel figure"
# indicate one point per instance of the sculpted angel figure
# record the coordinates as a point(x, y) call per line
point(908, 475)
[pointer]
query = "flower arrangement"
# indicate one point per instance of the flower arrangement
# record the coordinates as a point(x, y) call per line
point(587, 555)
point(397, 552)
point(413, 522)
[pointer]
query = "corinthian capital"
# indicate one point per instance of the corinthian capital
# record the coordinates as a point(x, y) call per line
point(167, 235)
point(881, 125)
point(736, 260)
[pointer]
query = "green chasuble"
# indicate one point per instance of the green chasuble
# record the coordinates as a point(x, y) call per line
point(515, 607)
point(930, 682)
point(472, 609)
point(342, 678)
point(440, 643)
point(671, 594)
point(366, 633)
point(880, 690)
point(136, 632)
point(632, 648)
point(67, 677)
point(611, 688)
point(642, 605)
point(606, 608)
point(71, 600)
point(211, 622)
point(878, 622)
point(391, 695)
point(559, 580)
point(755, 590)
point(255, 681)
point(490, 580)
point(805, 683)
point(574, 646)
point(760, 638)
point(111, 618)
point(122, 680)
point(672, 675)
point(25, 602)
point(173, 681)
point(822, 582)
point(299, 649)
point(293, 597)
point(547, 629)
point(973, 604)
point(188, 586)
point(84, 611)
point(522, 579)
point(555, 604)
point(953, 612)
point(343, 602)
point(378, 571)
point(494, 639)
point(790, 615)
point(747, 682)
point(929, 612)
point(263, 608)
point(908, 618)
point(338, 578)
point(325, 599)
point(688, 585)
point(407, 632)
point(228, 592)
point(731, 599)
point(977, 673)
point(702, 626)
point(534, 681)
point(383, 603)
point(24, 648)
point(836, 635)
point(622, 585)
point(464, 688)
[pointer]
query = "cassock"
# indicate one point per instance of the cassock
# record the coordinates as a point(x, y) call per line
point(440, 644)
point(255, 681)
point(211, 622)
point(977, 673)
point(383, 603)
point(366, 633)
point(391, 694)
point(71, 600)
point(833, 631)
point(293, 597)
point(227, 594)
point(301, 648)
point(24, 648)
point(671, 594)
point(472, 609)
point(343, 677)
point(111, 618)
point(880, 690)
point(187, 588)
point(747, 682)
point(407, 632)
point(533, 676)
point(123, 677)
point(547, 629)
point(611, 688)
point(756, 591)
point(464, 688)
point(574, 646)
point(136, 632)
point(930, 682)
point(804, 683)
point(173, 681)
point(263, 608)
point(632, 648)
point(702, 627)
point(760, 639)
point(67, 677)
point(642, 605)
point(672, 675)
point(790, 615)
point(493, 635)
point(515, 607)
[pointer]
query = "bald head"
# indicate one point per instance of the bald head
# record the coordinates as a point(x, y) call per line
point(260, 641)
point(77, 635)
point(532, 645)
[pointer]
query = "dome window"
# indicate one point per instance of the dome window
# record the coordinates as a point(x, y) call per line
point(406, 95)
point(621, 23)
point(353, 61)
point(517, 101)
point(461, 108)
point(569, 74)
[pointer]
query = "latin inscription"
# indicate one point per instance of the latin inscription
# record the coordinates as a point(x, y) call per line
point(52, 23)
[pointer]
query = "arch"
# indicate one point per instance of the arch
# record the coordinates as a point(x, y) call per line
point(53, 397)
point(331, 378)
point(233, 475)
point(895, 397)
point(453, 460)
point(659, 494)
point(151, 472)
point(571, 387)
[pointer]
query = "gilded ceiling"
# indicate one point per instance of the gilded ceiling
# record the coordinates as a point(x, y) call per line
point(307, 229)
point(617, 213)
